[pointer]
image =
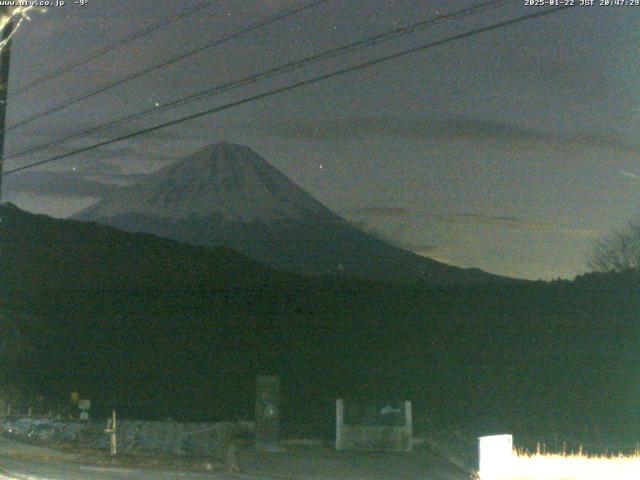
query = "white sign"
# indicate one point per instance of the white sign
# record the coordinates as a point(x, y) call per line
point(496, 455)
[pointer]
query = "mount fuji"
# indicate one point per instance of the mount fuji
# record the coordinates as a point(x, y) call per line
point(226, 194)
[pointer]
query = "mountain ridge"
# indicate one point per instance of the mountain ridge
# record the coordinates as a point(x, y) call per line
point(226, 194)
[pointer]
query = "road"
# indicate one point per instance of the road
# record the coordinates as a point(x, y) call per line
point(55, 470)
point(27, 462)
point(47, 470)
point(19, 461)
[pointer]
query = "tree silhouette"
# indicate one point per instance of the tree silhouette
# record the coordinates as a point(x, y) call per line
point(617, 252)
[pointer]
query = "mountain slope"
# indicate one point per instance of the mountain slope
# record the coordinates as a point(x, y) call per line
point(226, 194)
point(51, 265)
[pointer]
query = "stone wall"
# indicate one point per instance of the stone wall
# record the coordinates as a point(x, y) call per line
point(166, 437)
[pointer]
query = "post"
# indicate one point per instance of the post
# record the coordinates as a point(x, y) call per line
point(267, 412)
point(5, 57)
point(408, 417)
point(114, 446)
point(111, 429)
point(339, 424)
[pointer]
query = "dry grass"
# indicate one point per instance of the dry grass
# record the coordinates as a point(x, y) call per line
point(537, 466)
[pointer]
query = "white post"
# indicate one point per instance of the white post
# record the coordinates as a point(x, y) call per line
point(408, 422)
point(339, 423)
point(408, 415)
point(111, 430)
point(114, 448)
point(496, 455)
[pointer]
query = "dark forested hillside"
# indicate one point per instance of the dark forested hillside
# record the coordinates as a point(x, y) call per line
point(157, 329)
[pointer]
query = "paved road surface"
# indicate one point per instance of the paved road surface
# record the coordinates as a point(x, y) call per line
point(26, 462)
point(56, 470)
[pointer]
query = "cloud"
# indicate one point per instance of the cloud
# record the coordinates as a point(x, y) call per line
point(518, 223)
point(376, 232)
point(117, 159)
point(630, 175)
point(99, 167)
point(380, 212)
point(582, 232)
point(128, 152)
point(425, 250)
point(369, 219)
point(56, 184)
point(441, 129)
point(434, 252)
point(375, 213)
point(161, 134)
point(499, 221)
point(374, 219)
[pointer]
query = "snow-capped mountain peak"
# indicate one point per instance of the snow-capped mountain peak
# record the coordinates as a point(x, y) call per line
point(225, 179)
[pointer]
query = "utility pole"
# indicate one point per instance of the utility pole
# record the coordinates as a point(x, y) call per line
point(5, 56)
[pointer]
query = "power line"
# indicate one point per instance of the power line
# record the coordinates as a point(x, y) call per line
point(296, 85)
point(254, 78)
point(104, 50)
point(173, 60)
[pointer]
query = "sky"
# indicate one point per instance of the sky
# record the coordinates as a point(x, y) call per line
point(508, 151)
